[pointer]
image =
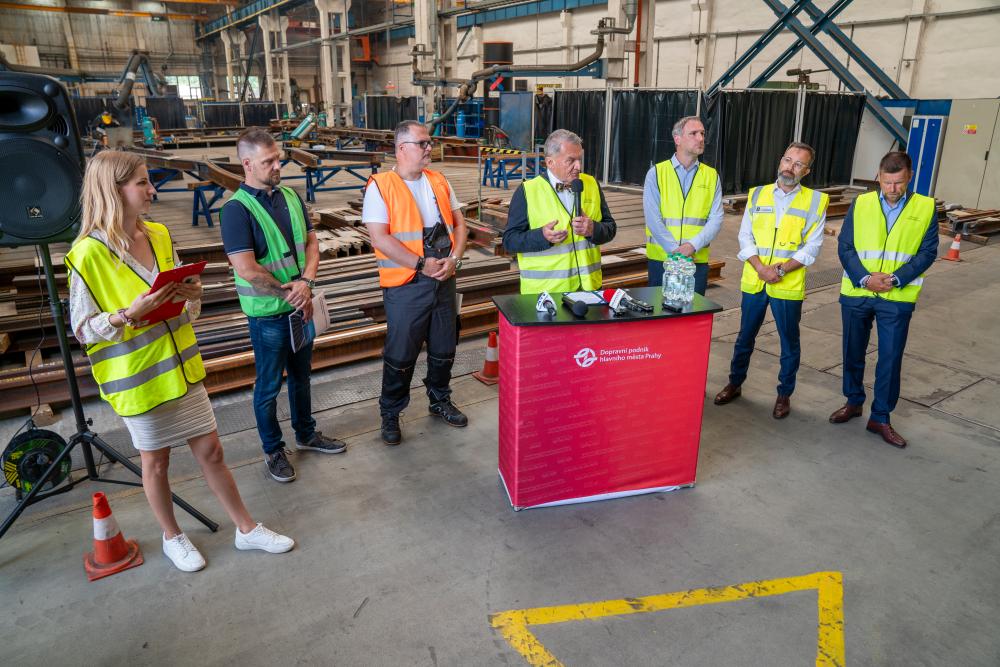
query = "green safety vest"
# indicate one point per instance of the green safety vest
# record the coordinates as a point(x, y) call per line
point(778, 244)
point(684, 217)
point(886, 252)
point(556, 269)
point(150, 365)
point(279, 260)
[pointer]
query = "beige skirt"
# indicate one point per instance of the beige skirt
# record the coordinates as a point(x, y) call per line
point(173, 422)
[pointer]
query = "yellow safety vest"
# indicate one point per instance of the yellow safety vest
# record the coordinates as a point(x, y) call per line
point(886, 252)
point(778, 244)
point(684, 217)
point(285, 264)
point(150, 365)
point(556, 269)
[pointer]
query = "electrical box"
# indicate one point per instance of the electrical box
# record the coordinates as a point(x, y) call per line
point(970, 160)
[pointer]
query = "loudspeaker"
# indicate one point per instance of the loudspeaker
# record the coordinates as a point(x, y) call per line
point(41, 161)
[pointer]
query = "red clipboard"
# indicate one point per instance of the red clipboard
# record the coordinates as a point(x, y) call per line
point(163, 278)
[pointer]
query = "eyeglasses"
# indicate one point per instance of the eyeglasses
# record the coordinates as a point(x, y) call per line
point(796, 164)
point(424, 145)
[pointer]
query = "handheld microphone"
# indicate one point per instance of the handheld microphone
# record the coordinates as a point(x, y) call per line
point(545, 304)
point(614, 298)
point(576, 185)
point(620, 301)
point(578, 308)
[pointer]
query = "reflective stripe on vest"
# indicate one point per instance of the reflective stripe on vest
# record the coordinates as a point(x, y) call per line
point(684, 217)
point(406, 224)
point(150, 365)
point(564, 267)
point(279, 260)
point(778, 244)
point(886, 252)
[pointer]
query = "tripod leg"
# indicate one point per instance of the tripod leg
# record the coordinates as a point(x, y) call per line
point(110, 452)
point(12, 517)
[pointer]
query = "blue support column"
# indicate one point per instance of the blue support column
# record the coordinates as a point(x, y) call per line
point(824, 23)
point(776, 28)
point(821, 22)
point(838, 68)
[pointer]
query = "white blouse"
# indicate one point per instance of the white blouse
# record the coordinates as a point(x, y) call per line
point(90, 324)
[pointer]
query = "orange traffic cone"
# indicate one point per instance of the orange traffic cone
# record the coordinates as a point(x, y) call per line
point(956, 245)
point(491, 367)
point(112, 553)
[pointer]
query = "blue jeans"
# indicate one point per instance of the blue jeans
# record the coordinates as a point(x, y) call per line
point(272, 348)
point(654, 270)
point(893, 322)
point(787, 313)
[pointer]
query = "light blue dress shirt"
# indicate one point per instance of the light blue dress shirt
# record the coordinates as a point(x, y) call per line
point(890, 211)
point(651, 208)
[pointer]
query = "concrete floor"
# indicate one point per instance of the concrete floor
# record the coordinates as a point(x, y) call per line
point(405, 553)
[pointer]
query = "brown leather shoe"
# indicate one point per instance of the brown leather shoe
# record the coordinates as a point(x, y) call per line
point(728, 394)
point(782, 406)
point(887, 432)
point(845, 414)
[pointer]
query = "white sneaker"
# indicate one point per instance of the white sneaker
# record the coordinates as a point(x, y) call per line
point(182, 553)
point(264, 539)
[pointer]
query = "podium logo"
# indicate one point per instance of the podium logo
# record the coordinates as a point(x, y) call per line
point(585, 358)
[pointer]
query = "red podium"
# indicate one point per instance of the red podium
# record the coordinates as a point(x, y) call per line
point(600, 407)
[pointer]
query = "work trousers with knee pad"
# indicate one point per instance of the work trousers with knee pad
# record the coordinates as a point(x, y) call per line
point(421, 311)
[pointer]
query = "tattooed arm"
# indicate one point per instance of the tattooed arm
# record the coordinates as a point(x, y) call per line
point(249, 270)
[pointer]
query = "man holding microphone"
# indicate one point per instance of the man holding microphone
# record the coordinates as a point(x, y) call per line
point(556, 244)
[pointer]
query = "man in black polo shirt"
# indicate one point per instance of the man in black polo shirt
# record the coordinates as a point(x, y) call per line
point(275, 256)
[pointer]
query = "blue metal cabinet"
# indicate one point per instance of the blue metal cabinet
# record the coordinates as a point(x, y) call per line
point(924, 147)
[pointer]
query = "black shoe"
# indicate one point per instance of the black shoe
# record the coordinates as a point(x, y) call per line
point(447, 411)
point(321, 443)
point(391, 435)
point(279, 466)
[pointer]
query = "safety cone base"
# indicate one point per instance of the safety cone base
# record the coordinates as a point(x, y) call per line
point(485, 379)
point(95, 570)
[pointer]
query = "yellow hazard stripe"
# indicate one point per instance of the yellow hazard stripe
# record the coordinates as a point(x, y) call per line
point(513, 624)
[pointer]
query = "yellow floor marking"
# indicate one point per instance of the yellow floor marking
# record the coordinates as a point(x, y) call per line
point(513, 624)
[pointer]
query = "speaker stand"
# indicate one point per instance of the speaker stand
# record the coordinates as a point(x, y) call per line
point(87, 439)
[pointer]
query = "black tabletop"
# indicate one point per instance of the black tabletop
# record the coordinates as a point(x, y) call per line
point(519, 309)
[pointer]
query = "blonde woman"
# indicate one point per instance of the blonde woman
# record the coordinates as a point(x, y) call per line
point(150, 374)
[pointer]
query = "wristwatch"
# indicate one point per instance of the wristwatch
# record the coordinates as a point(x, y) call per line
point(780, 269)
point(126, 320)
point(311, 284)
point(894, 280)
point(420, 264)
point(458, 261)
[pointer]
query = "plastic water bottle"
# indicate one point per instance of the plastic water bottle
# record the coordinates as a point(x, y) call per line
point(669, 278)
point(687, 290)
point(668, 269)
point(679, 289)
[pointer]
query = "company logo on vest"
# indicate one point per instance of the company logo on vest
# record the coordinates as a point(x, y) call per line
point(585, 357)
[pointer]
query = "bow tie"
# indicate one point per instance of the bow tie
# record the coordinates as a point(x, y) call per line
point(561, 187)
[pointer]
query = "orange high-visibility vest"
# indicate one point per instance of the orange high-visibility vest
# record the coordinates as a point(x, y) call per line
point(405, 222)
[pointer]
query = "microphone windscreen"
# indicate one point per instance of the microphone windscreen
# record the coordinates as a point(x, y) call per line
point(579, 309)
point(576, 185)
point(608, 294)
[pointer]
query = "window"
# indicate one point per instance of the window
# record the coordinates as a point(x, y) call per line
point(253, 87)
point(188, 87)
